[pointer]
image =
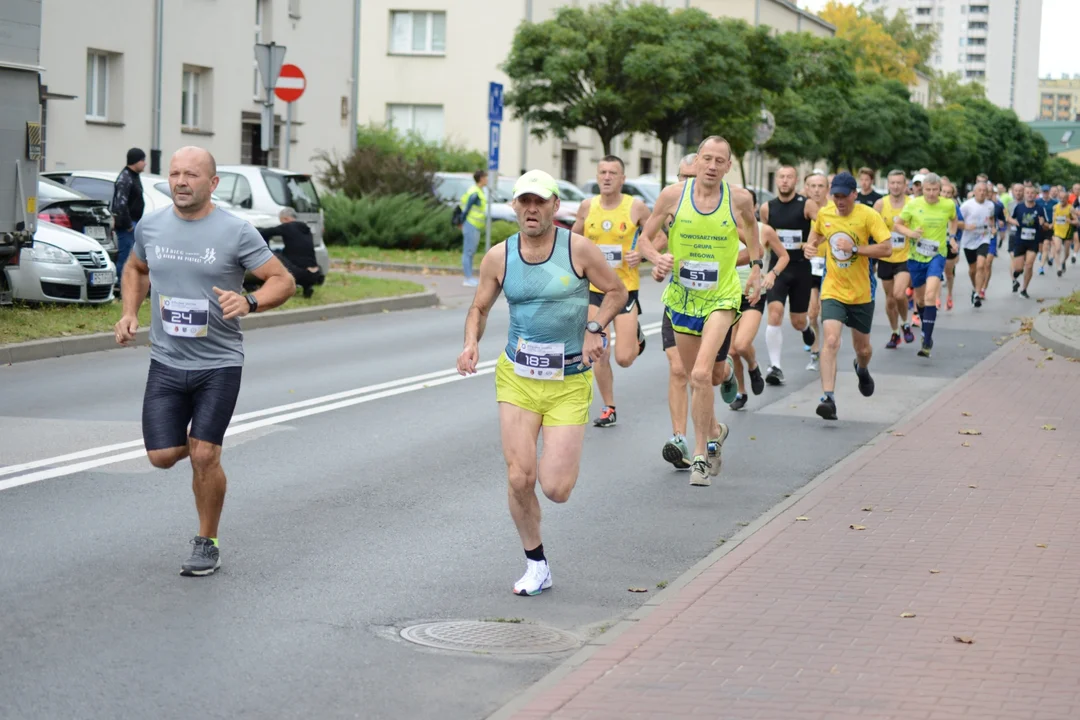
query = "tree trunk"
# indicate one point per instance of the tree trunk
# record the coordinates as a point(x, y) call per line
point(663, 161)
point(606, 139)
point(742, 168)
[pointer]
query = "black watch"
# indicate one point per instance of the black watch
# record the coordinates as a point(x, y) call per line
point(253, 303)
point(758, 263)
point(594, 327)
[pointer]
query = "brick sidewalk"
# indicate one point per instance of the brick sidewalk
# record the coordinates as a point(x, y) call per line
point(802, 621)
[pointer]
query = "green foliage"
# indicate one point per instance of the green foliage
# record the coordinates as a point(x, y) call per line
point(949, 89)
point(919, 42)
point(402, 221)
point(882, 126)
point(1060, 171)
point(386, 162)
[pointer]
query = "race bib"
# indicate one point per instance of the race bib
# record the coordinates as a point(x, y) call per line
point(791, 239)
point(1061, 220)
point(1027, 233)
point(539, 361)
point(181, 317)
point(817, 266)
point(927, 247)
point(613, 254)
point(898, 241)
point(699, 275)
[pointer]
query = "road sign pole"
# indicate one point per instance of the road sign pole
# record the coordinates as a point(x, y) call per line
point(288, 132)
point(495, 113)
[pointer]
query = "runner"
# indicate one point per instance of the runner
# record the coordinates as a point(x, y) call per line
point(611, 220)
point(1064, 217)
point(1016, 197)
point(952, 255)
point(868, 196)
point(852, 234)
point(543, 378)
point(927, 222)
point(816, 187)
point(917, 183)
point(790, 214)
point(704, 295)
point(1075, 198)
point(742, 346)
point(893, 271)
point(997, 237)
point(1046, 203)
point(978, 227)
point(1028, 219)
point(193, 257)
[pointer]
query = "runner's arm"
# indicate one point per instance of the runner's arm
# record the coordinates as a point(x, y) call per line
point(594, 267)
point(879, 205)
point(811, 245)
point(879, 244)
point(744, 216)
point(901, 227)
point(487, 290)
point(579, 219)
point(666, 205)
point(772, 240)
point(639, 215)
point(763, 213)
point(810, 210)
point(278, 284)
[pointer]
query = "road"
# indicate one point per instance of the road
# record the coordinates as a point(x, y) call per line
point(375, 503)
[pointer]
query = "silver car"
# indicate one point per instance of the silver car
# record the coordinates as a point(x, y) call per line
point(450, 186)
point(61, 266)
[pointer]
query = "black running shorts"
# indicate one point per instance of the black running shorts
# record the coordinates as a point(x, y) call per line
point(632, 301)
point(174, 398)
point(888, 270)
point(793, 287)
point(667, 336)
point(973, 256)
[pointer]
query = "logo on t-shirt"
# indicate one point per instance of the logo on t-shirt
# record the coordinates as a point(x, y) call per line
point(208, 256)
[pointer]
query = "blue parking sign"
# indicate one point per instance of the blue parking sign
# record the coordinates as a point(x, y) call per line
point(494, 132)
point(495, 102)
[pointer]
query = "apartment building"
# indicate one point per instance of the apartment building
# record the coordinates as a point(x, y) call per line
point(99, 60)
point(1059, 99)
point(992, 42)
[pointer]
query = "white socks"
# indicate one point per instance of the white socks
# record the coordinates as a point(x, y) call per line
point(774, 339)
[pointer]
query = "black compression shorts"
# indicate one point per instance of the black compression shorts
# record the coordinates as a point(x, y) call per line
point(174, 398)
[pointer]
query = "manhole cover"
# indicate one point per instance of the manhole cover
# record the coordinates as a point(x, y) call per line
point(492, 637)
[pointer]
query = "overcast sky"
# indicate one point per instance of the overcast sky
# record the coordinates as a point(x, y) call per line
point(1057, 51)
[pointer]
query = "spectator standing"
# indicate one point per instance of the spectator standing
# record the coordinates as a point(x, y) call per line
point(474, 211)
point(127, 206)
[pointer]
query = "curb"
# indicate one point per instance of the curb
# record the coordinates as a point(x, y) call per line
point(669, 593)
point(77, 345)
point(1049, 338)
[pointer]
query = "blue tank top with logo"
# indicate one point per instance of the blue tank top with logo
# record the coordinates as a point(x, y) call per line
point(549, 301)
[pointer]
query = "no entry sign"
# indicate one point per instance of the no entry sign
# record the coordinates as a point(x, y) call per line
point(290, 85)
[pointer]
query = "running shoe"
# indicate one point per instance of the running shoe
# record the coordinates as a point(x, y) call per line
point(948, 303)
point(808, 336)
point(938, 303)
point(1016, 285)
point(909, 337)
point(978, 301)
point(1024, 294)
point(1073, 258)
point(1050, 262)
point(806, 348)
point(205, 558)
point(1062, 270)
point(676, 452)
point(866, 383)
point(729, 388)
point(813, 364)
point(927, 346)
point(715, 447)
point(916, 321)
point(740, 402)
point(972, 298)
point(775, 376)
point(607, 418)
point(827, 408)
point(537, 578)
point(1042, 270)
point(909, 292)
point(894, 340)
point(757, 383)
point(982, 295)
point(699, 472)
point(640, 339)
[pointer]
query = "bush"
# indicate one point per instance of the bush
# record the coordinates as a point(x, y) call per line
point(401, 221)
point(387, 162)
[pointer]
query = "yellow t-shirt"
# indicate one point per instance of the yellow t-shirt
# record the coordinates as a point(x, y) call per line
point(848, 277)
point(829, 207)
point(613, 232)
point(899, 242)
point(1062, 220)
point(934, 221)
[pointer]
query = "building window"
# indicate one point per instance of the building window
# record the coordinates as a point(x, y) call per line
point(194, 98)
point(979, 9)
point(976, 58)
point(923, 11)
point(424, 120)
point(976, 74)
point(97, 85)
point(977, 26)
point(417, 33)
point(646, 165)
point(976, 41)
point(963, 41)
point(569, 164)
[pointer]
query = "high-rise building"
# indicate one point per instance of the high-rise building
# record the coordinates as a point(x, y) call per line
point(1059, 99)
point(993, 42)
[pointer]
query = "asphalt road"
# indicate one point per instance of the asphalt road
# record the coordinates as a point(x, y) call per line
point(352, 516)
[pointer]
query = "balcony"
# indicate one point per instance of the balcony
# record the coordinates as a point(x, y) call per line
point(977, 32)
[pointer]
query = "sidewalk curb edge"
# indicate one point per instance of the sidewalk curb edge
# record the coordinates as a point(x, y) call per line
point(96, 342)
point(1049, 338)
point(591, 646)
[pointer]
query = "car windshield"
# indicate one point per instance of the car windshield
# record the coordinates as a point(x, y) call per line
point(569, 191)
point(450, 188)
point(295, 191)
point(49, 190)
point(163, 188)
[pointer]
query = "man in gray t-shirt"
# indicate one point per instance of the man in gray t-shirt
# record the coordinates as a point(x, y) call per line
point(194, 256)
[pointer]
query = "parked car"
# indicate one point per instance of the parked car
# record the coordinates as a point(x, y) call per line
point(67, 208)
point(570, 197)
point(61, 266)
point(450, 186)
point(647, 190)
point(270, 190)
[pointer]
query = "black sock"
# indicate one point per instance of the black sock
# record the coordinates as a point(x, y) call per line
point(536, 554)
point(1017, 273)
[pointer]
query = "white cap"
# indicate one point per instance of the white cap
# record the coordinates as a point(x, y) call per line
point(919, 177)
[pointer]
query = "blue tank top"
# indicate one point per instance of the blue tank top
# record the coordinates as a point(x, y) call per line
point(549, 301)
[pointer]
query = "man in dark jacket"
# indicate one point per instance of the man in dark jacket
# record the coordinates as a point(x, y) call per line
point(299, 252)
point(127, 206)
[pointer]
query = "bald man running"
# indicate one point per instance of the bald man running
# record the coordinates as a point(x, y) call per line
point(193, 257)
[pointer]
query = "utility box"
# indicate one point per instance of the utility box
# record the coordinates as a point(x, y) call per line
point(20, 126)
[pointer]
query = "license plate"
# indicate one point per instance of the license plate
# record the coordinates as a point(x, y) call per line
point(95, 231)
point(101, 278)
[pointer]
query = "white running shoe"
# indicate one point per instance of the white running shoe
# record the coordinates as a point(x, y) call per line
point(813, 364)
point(536, 579)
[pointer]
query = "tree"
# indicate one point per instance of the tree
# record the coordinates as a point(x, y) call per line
point(881, 127)
point(950, 89)
point(569, 72)
point(875, 49)
point(954, 143)
point(1060, 171)
point(910, 38)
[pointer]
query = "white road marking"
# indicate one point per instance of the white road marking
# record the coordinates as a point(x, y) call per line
point(269, 416)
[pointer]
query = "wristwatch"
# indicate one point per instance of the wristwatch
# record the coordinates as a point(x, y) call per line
point(854, 249)
point(253, 303)
point(594, 327)
point(757, 262)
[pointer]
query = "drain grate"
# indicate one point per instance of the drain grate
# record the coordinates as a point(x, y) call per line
point(491, 637)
